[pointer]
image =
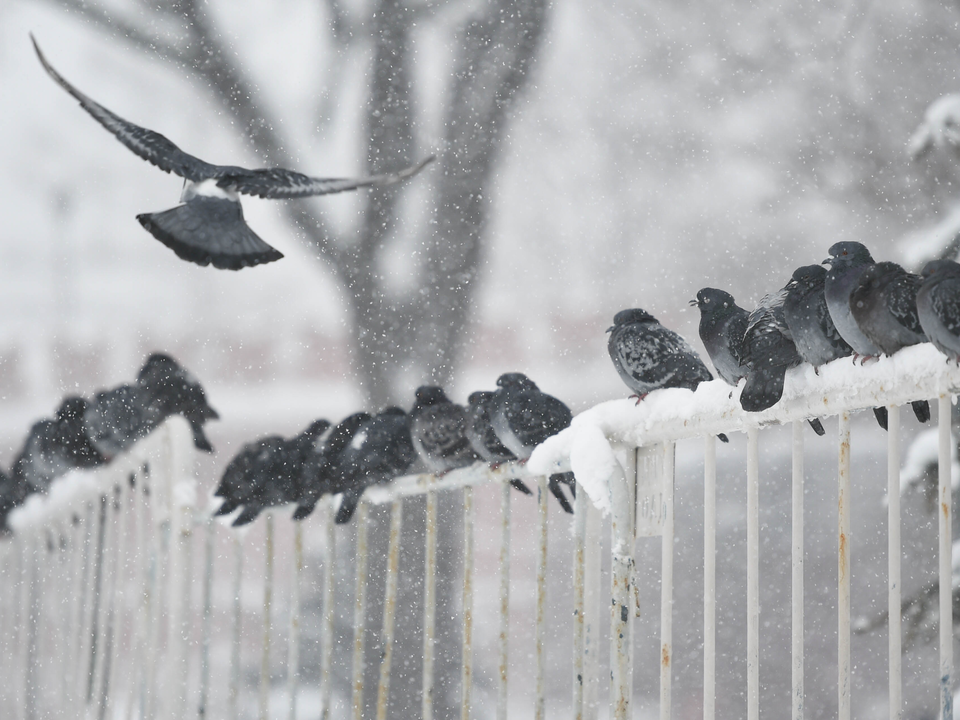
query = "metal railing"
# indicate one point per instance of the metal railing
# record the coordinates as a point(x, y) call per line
point(119, 596)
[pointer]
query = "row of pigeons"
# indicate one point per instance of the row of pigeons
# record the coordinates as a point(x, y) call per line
point(858, 308)
point(436, 436)
point(86, 433)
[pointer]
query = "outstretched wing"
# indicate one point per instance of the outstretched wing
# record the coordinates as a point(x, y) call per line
point(147, 144)
point(277, 183)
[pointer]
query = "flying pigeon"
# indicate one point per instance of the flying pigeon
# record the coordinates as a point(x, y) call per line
point(649, 357)
point(808, 319)
point(323, 463)
point(438, 428)
point(482, 437)
point(847, 262)
point(174, 390)
point(938, 306)
point(55, 447)
point(523, 417)
point(722, 326)
point(208, 227)
point(379, 451)
point(266, 473)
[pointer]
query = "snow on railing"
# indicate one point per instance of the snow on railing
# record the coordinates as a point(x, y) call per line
point(102, 607)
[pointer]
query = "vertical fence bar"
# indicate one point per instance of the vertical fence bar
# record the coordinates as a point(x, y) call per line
point(843, 571)
point(894, 669)
point(264, 705)
point(329, 610)
point(429, 603)
point(466, 663)
point(207, 618)
point(666, 584)
point(541, 618)
point(504, 640)
point(116, 618)
point(796, 523)
point(709, 577)
point(796, 585)
point(233, 698)
point(579, 536)
point(622, 531)
point(390, 607)
point(591, 612)
point(946, 560)
point(359, 609)
point(753, 575)
point(293, 638)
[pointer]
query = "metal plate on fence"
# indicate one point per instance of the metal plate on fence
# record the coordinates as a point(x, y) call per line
point(651, 507)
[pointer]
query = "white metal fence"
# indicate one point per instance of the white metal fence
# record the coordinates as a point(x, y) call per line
point(118, 597)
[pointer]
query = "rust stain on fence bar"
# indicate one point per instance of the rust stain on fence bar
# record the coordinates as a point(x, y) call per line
point(843, 555)
point(665, 656)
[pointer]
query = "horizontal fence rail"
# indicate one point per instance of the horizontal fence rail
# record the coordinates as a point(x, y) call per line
point(121, 598)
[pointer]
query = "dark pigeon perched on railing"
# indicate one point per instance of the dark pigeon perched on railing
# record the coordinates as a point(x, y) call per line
point(805, 311)
point(523, 417)
point(722, 326)
point(208, 227)
point(322, 464)
point(482, 437)
point(847, 262)
point(266, 473)
point(938, 306)
point(884, 305)
point(54, 447)
point(173, 389)
point(380, 450)
point(438, 428)
point(117, 418)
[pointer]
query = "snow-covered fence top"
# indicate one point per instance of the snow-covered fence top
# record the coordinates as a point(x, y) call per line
point(108, 609)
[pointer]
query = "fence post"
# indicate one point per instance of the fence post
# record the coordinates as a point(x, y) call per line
point(622, 605)
point(945, 515)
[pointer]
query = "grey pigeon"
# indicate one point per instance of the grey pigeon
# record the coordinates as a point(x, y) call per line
point(523, 417)
point(768, 352)
point(938, 306)
point(323, 463)
point(722, 326)
point(482, 437)
point(208, 228)
point(116, 419)
point(13, 492)
point(650, 357)
point(438, 428)
point(242, 479)
point(267, 473)
point(174, 390)
point(54, 447)
point(847, 262)
point(379, 451)
point(808, 319)
point(884, 304)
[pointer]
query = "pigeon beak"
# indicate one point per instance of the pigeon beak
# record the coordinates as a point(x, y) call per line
point(694, 302)
point(828, 261)
point(611, 328)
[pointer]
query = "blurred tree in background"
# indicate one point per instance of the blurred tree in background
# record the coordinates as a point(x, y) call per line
point(415, 330)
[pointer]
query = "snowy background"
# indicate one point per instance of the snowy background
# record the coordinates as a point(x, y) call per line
point(659, 148)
